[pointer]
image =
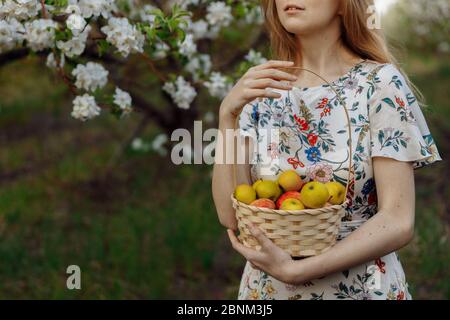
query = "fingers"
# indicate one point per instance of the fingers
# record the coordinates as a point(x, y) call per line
point(248, 253)
point(260, 236)
point(267, 82)
point(274, 64)
point(251, 94)
point(272, 73)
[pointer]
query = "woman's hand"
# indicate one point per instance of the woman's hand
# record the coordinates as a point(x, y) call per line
point(253, 84)
point(270, 259)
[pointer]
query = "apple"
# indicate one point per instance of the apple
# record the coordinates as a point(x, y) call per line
point(290, 181)
point(256, 183)
point(314, 194)
point(268, 189)
point(263, 203)
point(337, 192)
point(245, 193)
point(288, 195)
point(292, 204)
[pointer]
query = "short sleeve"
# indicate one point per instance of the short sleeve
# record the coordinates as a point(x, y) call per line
point(398, 128)
point(248, 120)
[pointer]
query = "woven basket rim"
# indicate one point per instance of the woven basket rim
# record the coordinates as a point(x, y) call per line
point(289, 212)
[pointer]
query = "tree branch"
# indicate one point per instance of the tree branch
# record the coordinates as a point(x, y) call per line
point(44, 10)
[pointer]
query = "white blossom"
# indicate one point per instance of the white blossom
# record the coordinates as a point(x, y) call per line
point(123, 100)
point(75, 23)
point(200, 64)
point(145, 14)
point(96, 8)
point(255, 57)
point(124, 36)
point(85, 107)
point(40, 34)
point(11, 34)
point(184, 4)
point(19, 9)
point(161, 50)
point(219, 14)
point(181, 92)
point(254, 16)
point(199, 29)
point(159, 142)
point(188, 47)
point(218, 85)
point(52, 63)
point(76, 45)
point(90, 76)
point(213, 32)
point(139, 145)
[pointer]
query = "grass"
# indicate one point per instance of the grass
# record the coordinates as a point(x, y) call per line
point(150, 229)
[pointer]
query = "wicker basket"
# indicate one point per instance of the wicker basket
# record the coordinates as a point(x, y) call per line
point(301, 233)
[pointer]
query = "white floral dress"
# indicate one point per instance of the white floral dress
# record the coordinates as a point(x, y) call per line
point(386, 121)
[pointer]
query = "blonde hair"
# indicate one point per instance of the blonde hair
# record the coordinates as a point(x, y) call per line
point(368, 43)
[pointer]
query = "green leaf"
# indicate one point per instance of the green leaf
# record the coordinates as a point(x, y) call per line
point(403, 143)
point(381, 136)
point(389, 102)
point(378, 108)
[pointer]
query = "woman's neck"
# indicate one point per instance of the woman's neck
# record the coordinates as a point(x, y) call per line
point(324, 53)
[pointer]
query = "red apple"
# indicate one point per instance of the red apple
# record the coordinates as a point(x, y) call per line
point(263, 203)
point(287, 195)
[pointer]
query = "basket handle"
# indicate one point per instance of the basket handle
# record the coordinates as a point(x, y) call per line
point(349, 130)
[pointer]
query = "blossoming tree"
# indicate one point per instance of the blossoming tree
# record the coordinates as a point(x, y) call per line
point(100, 47)
point(424, 24)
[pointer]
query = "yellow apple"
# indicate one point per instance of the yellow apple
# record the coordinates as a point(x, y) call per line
point(314, 194)
point(256, 183)
point(290, 181)
point(245, 193)
point(292, 204)
point(336, 191)
point(268, 189)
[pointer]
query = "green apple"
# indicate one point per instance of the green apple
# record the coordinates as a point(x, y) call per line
point(268, 189)
point(245, 193)
point(292, 204)
point(337, 192)
point(314, 194)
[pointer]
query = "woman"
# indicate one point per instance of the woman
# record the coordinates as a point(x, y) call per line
point(390, 135)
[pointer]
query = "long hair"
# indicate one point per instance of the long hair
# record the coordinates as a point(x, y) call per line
point(356, 35)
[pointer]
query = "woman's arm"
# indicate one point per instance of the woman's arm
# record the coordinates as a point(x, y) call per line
point(390, 229)
point(222, 180)
point(252, 85)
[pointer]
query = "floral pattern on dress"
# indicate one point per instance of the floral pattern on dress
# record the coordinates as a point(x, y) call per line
point(386, 120)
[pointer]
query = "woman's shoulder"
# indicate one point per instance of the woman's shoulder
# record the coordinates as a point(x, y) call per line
point(383, 71)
